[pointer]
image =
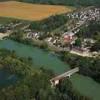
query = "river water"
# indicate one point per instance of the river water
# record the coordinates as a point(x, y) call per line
point(83, 84)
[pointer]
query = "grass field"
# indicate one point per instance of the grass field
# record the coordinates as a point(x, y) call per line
point(32, 12)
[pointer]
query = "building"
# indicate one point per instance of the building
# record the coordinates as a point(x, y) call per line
point(68, 37)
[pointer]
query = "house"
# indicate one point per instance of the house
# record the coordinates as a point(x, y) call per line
point(33, 35)
point(49, 39)
point(68, 37)
point(89, 40)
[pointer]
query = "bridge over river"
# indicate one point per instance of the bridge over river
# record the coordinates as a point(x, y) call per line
point(54, 81)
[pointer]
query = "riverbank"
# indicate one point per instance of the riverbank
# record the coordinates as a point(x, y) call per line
point(50, 47)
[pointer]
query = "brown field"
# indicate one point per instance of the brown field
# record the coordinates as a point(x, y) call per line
point(30, 11)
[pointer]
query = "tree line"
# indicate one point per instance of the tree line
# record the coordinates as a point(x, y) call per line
point(76, 3)
point(49, 24)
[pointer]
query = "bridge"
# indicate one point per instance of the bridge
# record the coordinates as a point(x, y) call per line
point(54, 81)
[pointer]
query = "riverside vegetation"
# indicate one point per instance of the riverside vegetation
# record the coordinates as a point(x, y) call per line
point(88, 66)
point(26, 87)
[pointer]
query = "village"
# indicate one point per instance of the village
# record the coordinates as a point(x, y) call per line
point(65, 41)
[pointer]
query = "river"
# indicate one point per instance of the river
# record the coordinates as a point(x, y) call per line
point(83, 84)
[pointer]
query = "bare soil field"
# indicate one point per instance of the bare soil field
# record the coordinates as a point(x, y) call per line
point(31, 12)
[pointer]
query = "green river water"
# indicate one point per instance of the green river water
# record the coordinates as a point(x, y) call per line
point(83, 84)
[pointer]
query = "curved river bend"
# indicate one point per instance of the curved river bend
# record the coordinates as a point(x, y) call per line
point(84, 85)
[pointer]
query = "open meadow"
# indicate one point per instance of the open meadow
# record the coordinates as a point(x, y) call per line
point(32, 12)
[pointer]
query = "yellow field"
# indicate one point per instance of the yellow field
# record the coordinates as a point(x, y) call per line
point(30, 11)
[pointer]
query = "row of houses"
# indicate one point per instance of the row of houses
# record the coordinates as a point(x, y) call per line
point(83, 16)
point(31, 35)
point(4, 28)
point(87, 14)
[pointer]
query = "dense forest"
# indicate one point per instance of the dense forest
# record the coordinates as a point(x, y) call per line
point(66, 2)
point(32, 83)
point(50, 23)
point(76, 3)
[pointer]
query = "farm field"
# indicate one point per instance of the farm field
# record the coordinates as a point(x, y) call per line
point(30, 12)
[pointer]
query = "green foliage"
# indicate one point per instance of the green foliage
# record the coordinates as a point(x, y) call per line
point(18, 35)
point(33, 84)
point(96, 46)
point(90, 31)
point(88, 66)
point(66, 2)
point(49, 24)
point(67, 92)
point(78, 42)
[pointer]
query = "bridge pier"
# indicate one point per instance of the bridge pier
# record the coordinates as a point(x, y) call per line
point(55, 82)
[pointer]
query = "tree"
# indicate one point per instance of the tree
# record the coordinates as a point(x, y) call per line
point(78, 42)
point(96, 46)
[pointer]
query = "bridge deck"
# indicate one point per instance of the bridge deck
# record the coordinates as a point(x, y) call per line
point(68, 73)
